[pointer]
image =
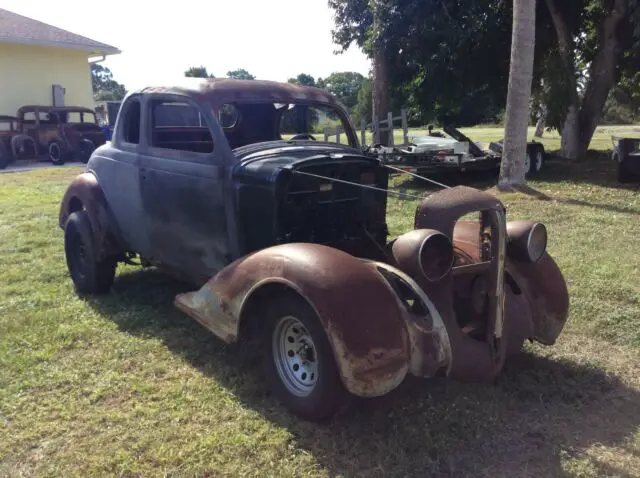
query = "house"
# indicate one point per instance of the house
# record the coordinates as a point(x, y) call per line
point(42, 64)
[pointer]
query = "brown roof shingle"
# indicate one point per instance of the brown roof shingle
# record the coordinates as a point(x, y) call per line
point(16, 28)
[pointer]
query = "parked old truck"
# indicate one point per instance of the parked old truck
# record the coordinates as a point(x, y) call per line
point(285, 240)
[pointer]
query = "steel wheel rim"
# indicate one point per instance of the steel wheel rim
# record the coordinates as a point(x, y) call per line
point(538, 161)
point(527, 162)
point(295, 356)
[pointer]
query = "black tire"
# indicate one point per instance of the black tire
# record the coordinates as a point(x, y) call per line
point(625, 176)
point(328, 394)
point(57, 152)
point(89, 275)
point(5, 157)
point(535, 153)
point(85, 149)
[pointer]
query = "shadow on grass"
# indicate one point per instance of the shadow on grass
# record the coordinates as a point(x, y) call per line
point(540, 412)
point(597, 170)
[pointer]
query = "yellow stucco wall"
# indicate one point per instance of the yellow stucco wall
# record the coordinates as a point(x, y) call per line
point(27, 73)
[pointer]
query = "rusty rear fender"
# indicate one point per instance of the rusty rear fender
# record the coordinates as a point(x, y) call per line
point(359, 312)
point(85, 192)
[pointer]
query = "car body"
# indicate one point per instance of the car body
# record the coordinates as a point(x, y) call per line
point(62, 132)
point(284, 239)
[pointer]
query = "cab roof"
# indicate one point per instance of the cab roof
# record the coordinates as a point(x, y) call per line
point(219, 91)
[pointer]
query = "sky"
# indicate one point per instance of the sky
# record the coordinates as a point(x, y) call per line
point(273, 40)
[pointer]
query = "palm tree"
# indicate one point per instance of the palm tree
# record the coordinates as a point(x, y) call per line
point(512, 172)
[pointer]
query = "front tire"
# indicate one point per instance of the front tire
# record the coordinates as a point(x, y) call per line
point(89, 275)
point(299, 361)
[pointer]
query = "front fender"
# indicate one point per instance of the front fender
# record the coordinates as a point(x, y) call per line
point(359, 312)
point(85, 192)
point(545, 289)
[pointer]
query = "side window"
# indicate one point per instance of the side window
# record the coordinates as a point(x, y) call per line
point(29, 117)
point(179, 126)
point(131, 121)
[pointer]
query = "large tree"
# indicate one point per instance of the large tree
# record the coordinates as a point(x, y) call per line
point(512, 169)
point(452, 56)
point(303, 79)
point(105, 88)
point(344, 85)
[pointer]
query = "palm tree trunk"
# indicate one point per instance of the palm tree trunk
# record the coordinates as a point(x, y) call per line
point(512, 171)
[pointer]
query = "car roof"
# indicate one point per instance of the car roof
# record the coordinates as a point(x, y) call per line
point(226, 90)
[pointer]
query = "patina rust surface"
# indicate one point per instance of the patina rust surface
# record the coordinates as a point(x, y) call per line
point(84, 192)
point(361, 315)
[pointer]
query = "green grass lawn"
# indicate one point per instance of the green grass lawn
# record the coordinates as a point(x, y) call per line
point(125, 385)
point(551, 140)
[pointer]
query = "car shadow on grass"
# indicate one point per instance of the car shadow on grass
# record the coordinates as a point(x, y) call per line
point(543, 410)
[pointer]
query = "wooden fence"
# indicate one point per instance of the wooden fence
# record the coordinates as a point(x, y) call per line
point(376, 127)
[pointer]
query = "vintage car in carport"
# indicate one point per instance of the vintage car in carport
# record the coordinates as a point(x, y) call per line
point(284, 238)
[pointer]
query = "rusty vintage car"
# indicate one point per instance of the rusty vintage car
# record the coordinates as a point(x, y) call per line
point(284, 238)
point(13, 143)
point(62, 132)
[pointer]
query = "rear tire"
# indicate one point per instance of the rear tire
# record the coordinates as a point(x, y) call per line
point(299, 363)
point(89, 275)
point(57, 152)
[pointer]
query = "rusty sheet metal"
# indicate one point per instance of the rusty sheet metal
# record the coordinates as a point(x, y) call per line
point(361, 315)
point(219, 91)
point(542, 284)
point(85, 192)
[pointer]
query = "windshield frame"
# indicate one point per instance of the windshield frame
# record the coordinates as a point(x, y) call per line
point(345, 120)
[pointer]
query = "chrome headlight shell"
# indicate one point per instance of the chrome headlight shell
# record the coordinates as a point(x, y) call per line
point(527, 240)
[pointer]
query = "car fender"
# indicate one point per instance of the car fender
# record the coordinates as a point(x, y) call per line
point(541, 284)
point(361, 315)
point(85, 192)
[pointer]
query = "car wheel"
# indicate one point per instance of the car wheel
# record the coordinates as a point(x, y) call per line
point(57, 152)
point(299, 361)
point(89, 275)
point(85, 149)
point(5, 157)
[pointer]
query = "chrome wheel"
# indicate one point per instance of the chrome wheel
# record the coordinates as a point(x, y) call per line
point(294, 354)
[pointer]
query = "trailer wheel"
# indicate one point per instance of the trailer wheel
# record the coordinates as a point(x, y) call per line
point(534, 161)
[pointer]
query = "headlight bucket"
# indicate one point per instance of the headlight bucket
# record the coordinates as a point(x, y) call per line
point(526, 240)
point(424, 252)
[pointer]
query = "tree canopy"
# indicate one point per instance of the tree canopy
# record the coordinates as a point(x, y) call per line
point(105, 88)
point(240, 74)
point(303, 79)
point(198, 72)
point(451, 57)
point(345, 85)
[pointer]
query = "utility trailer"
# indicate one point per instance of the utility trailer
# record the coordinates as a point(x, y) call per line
point(452, 151)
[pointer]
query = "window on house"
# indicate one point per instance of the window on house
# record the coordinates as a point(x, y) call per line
point(179, 126)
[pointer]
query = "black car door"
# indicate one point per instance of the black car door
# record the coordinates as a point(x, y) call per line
point(182, 187)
